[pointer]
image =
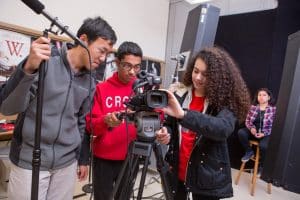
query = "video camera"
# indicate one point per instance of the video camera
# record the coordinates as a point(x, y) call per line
point(147, 97)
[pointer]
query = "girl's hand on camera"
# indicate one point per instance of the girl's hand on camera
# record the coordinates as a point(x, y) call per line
point(173, 108)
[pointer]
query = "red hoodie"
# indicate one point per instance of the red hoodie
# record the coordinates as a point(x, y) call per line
point(110, 143)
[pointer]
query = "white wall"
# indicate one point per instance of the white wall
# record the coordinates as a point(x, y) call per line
point(142, 21)
point(178, 14)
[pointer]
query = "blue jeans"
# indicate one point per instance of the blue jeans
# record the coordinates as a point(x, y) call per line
point(244, 137)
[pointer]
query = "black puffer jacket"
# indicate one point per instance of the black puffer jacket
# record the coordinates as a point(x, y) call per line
point(208, 171)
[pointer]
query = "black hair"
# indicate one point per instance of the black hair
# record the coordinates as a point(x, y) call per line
point(129, 48)
point(272, 99)
point(95, 28)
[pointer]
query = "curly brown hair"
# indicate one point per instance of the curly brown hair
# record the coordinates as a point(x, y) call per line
point(224, 87)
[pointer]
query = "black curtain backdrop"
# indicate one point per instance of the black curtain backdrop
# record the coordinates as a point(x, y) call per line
point(249, 39)
point(257, 41)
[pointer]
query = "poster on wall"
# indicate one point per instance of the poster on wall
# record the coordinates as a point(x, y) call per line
point(110, 66)
point(106, 69)
point(14, 47)
point(151, 67)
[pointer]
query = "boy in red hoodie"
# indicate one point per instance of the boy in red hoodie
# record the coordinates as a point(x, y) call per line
point(111, 137)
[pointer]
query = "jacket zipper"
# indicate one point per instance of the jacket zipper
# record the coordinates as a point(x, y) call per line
point(60, 121)
point(187, 166)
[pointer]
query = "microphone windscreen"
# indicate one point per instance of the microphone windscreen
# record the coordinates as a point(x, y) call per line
point(35, 5)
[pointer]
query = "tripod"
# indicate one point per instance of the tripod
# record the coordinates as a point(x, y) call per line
point(139, 153)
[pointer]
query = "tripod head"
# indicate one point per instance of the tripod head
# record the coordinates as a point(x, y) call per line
point(147, 124)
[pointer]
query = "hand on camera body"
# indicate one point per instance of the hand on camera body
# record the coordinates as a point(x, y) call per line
point(162, 136)
point(117, 117)
point(112, 120)
point(40, 50)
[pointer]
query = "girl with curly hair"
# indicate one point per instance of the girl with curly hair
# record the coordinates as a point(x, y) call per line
point(203, 112)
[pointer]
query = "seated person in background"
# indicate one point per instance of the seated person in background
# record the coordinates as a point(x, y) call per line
point(258, 124)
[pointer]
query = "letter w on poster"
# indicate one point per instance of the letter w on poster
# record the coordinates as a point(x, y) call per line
point(14, 47)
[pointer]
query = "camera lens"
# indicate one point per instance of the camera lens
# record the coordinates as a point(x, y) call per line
point(156, 99)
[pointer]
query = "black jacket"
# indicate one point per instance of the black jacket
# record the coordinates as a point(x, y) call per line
point(209, 171)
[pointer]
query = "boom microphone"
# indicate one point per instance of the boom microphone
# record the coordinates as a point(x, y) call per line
point(35, 5)
point(38, 8)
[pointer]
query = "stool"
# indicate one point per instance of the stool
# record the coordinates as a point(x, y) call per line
point(254, 176)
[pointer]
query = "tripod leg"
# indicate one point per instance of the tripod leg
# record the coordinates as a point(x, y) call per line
point(130, 180)
point(119, 179)
point(130, 169)
point(126, 178)
point(143, 178)
point(162, 168)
